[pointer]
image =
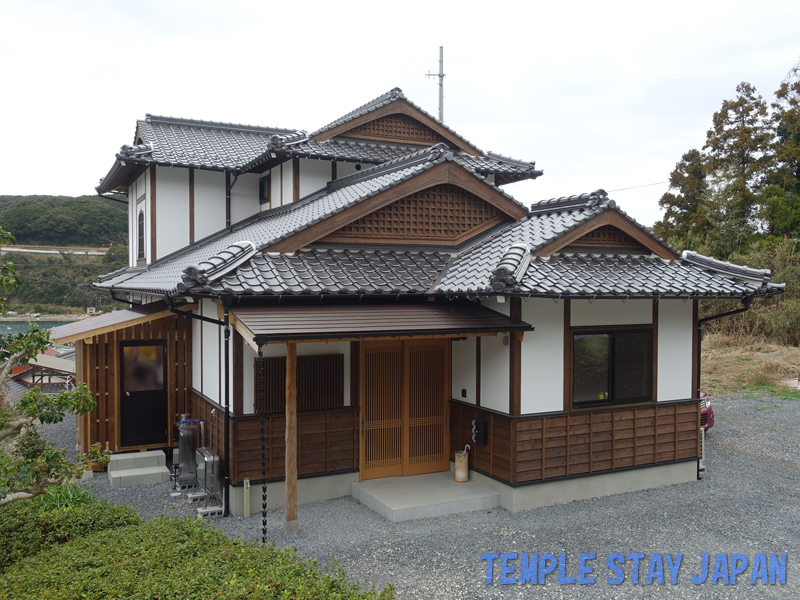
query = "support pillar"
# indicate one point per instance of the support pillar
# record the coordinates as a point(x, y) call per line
point(291, 438)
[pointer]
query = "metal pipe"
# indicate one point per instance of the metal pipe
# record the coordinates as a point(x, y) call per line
point(226, 304)
point(228, 199)
point(746, 301)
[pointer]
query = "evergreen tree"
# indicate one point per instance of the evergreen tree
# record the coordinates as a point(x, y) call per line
point(786, 144)
point(686, 215)
point(737, 146)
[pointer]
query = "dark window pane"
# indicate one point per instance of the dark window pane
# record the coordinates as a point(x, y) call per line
point(144, 368)
point(633, 366)
point(590, 367)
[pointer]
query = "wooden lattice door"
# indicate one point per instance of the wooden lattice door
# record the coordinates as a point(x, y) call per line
point(404, 390)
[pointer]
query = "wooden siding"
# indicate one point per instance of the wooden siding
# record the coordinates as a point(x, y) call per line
point(441, 213)
point(606, 236)
point(327, 440)
point(98, 364)
point(396, 128)
point(535, 448)
point(320, 382)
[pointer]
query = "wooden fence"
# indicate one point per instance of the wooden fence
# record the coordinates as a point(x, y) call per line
point(535, 448)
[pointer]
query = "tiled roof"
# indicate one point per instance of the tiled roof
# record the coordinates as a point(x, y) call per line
point(498, 264)
point(333, 272)
point(269, 227)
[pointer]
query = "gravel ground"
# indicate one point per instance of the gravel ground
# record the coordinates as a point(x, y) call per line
point(745, 504)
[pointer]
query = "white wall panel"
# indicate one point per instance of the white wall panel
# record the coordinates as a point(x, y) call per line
point(197, 355)
point(172, 210)
point(346, 168)
point(209, 203)
point(244, 197)
point(504, 308)
point(494, 373)
point(611, 312)
point(211, 355)
point(463, 369)
point(275, 186)
point(675, 334)
point(314, 175)
point(248, 384)
point(542, 356)
point(288, 183)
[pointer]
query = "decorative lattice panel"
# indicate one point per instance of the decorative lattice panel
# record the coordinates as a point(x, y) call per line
point(442, 212)
point(396, 127)
point(607, 236)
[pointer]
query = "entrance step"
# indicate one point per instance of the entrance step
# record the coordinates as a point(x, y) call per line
point(138, 468)
point(421, 496)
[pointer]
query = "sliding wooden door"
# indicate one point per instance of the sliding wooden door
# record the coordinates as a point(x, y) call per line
point(404, 388)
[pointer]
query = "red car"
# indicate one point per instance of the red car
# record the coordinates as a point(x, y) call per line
point(706, 412)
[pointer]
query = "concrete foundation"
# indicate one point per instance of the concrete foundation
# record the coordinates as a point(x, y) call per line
point(311, 489)
point(583, 488)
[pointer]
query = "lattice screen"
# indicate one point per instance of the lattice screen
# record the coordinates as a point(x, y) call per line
point(396, 127)
point(320, 382)
point(607, 236)
point(441, 212)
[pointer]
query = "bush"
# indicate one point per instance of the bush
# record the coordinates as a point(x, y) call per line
point(29, 526)
point(177, 559)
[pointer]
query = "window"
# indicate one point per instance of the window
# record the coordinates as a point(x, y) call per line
point(612, 367)
point(140, 247)
point(264, 190)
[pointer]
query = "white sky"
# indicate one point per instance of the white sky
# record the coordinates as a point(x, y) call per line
point(601, 95)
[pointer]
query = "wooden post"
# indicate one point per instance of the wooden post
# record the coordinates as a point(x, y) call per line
point(515, 361)
point(291, 437)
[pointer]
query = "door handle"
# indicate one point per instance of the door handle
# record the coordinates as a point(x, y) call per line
point(127, 393)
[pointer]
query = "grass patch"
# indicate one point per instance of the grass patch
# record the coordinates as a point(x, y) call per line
point(762, 388)
point(768, 407)
point(788, 395)
point(176, 559)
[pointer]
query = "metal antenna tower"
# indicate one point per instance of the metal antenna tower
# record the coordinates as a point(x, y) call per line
point(440, 75)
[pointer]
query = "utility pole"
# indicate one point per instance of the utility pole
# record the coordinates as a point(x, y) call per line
point(440, 75)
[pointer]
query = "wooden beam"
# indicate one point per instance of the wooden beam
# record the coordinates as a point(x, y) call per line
point(153, 249)
point(295, 179)
point(515, 362)
point(567, 356)
point(247, 335)
point(446, 172)
point(655, 351)
point(609, 217)
point(291, 433)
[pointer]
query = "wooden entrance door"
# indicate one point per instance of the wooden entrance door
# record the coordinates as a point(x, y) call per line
point(404, 390)
point(143, 403)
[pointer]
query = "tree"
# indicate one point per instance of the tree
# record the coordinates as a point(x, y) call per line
point(687, 210)
point(781, 210)
point(737, 146)
point(786, 122)
point(29, 464)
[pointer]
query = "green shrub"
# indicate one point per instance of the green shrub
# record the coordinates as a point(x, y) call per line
point(29, 526)
point(176, 559)
point(67, 495)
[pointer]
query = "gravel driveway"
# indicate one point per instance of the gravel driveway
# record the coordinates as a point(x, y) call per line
point(746, 504)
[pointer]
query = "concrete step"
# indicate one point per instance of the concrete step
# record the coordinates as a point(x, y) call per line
point(137, 460)
point(138, 476)
point(420, 496)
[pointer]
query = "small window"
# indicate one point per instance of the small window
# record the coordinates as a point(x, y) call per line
point(264, 190)
point(140, 246)
point(612, 367)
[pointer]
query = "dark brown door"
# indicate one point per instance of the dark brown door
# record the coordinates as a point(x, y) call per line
point(404, 391)
point(143, 401)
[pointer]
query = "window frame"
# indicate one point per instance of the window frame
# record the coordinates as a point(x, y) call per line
point(612, 330)
point(140, 235)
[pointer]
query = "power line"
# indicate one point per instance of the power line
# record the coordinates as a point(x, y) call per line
point(638, 186)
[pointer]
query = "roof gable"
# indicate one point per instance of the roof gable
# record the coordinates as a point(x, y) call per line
point(391, 117)
point(439, 215)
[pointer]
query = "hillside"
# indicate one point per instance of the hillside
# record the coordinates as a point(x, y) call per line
point(64, 220)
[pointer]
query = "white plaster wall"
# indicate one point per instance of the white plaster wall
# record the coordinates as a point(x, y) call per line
point(346, 168)
point(675, 333)
point(314, 174)
point(611, 312)
point(244, 197)
point(497, 306)
point(313, 348)
point(463, 369)
point(197, 355)
point(495, 364)
point(288, 182)
point(211, 355)
point(275, 186)
point(136, 189)
point(172, 210)
point(248, 383)
point(542, 356)
point(209, 203)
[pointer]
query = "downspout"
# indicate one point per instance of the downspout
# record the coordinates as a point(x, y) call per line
point(225, 324)
point(228, 199)
point(114, 199)
point(746, 301)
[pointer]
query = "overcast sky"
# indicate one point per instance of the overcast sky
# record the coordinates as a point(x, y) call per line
point(601, 95)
